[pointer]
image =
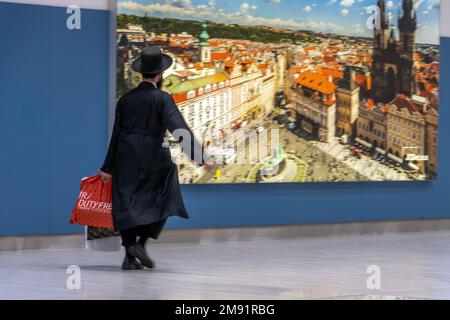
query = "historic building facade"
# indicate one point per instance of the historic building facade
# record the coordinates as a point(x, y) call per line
point(314, 96)
point(412, 130)
point(348, 101)
point(372, 124)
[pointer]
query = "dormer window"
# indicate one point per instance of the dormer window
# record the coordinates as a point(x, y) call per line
point(201, 91)
point(208, 88)
point(214, 86)
point(191, 94)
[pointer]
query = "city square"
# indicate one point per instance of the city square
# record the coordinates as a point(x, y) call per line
point(347, 108)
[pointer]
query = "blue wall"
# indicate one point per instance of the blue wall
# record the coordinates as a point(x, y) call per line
point(53, 113)
point(53, 120)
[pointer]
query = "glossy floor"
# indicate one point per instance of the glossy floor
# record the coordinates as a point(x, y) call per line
point(411, 265)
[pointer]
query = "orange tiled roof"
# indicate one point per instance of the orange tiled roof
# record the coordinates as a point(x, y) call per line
point(297, 69)
point(329, 59)
point(184, 73)
point(316, 82)
point(247, 61)
point(430, 87)
point(221, 56)
point(363, 80)
point(262, 66)
point(229, 64)
point(370, 104)
point(198, 66)
point(326, 71)
point(416, 57)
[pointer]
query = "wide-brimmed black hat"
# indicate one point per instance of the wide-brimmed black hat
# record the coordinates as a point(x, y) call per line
point(152, 61)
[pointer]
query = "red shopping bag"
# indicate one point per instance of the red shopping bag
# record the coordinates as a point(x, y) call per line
point(94, 204)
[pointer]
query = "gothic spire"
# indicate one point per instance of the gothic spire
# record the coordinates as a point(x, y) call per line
point(407, 21)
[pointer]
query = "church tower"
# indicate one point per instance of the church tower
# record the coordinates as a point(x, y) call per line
point(381, 34)
point(407, 26)
point(393, 60)
point(206, 49)
point(380, 43)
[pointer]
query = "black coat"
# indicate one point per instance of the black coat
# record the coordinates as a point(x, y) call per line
point(145, 186)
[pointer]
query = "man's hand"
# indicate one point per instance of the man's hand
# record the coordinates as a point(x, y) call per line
point(106, 177)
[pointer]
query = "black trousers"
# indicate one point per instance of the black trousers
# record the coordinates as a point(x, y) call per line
point(152, 230)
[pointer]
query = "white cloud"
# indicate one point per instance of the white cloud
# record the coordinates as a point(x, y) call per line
point(243, 15)
point(347, 3)
point(244, 7)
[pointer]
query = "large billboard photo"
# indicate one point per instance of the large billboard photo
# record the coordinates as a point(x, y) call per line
point(296, 91)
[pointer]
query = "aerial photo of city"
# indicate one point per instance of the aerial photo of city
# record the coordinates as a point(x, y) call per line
point(296, 91)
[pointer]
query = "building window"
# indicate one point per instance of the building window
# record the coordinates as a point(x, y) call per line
point(191, 94)
point(201, 91)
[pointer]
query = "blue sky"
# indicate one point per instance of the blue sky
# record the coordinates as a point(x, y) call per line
point(336, 16)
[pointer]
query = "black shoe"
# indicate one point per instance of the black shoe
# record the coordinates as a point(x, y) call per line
point(131, 264)
point(138, 251)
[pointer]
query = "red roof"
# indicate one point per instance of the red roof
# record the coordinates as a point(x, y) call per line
point(221, 56)
point(326, 71)
point(402, 102)
point(229, 64)
point(184, 73)
point(317, 82)
point(364, 81)
point(370, 104)
point(296, 69)
point(262, 66)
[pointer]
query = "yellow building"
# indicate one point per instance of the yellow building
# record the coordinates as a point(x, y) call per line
point(409, 134)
